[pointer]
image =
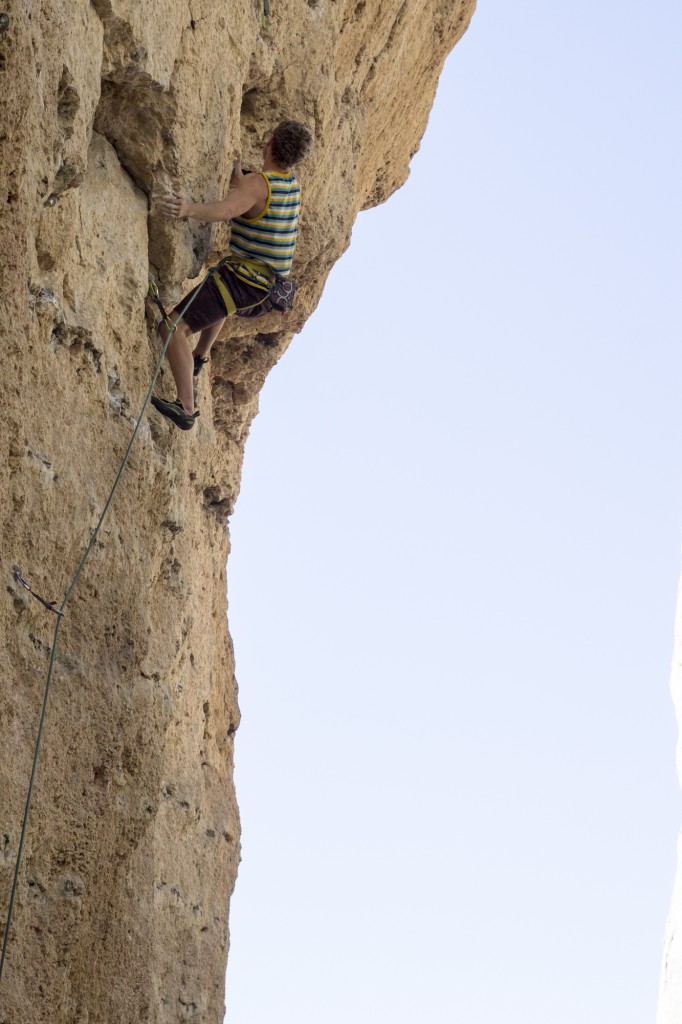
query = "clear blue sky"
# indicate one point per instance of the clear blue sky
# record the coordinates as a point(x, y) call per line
point(455, 560)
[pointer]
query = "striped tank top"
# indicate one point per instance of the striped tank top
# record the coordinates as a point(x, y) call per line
point(271, 238)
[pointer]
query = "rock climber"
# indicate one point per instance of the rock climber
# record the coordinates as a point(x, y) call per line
point(263, 209)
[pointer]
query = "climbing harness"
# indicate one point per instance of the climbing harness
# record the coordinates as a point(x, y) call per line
point(280, 300)
point(252, 272)
point(59, 612)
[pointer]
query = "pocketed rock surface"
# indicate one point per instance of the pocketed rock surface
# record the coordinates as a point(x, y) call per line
point(133, 844)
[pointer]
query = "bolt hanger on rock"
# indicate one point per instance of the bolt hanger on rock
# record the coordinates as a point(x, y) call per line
point(50, 605)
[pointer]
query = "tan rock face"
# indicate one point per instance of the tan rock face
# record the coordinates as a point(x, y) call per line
point(133, 842)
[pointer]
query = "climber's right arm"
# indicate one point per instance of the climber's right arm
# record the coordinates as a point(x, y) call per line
point(250, 193)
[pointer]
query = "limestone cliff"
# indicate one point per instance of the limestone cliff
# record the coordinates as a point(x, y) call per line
point(133, 844)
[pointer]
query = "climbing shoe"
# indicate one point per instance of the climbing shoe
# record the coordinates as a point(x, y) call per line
point(175, 412)
point(199, 362)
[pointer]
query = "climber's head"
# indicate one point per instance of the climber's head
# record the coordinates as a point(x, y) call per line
point(291, 141)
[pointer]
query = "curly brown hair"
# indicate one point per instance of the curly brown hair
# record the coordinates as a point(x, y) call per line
point(291, 142)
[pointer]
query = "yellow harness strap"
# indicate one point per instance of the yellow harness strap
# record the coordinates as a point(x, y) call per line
point(230, 304)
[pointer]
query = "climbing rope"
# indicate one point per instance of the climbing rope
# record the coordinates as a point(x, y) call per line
point(59, 612)
point(156, 299)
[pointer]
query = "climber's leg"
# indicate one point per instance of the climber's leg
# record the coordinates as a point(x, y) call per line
point(202, 311)
point(179, 355)
point(204, 345)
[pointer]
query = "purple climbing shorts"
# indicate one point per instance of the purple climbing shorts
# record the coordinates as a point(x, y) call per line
point(208, 308)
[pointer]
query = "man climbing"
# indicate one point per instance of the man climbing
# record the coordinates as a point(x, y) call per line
point(263, 210)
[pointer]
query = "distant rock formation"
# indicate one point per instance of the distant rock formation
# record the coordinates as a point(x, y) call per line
point(133, 844)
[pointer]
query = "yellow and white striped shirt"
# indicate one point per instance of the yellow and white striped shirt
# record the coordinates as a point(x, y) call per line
point(271, 238)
